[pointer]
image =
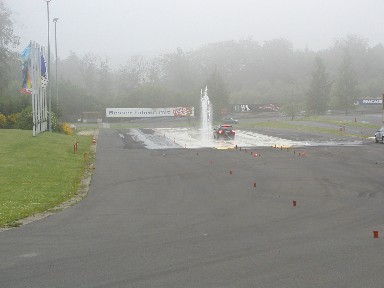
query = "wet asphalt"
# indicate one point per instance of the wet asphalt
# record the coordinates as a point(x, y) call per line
point(211, 218)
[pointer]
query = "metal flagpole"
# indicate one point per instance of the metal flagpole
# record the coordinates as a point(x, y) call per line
point(44, 92)
point(34, 87)
point(57, 87)
point(39, 107)
point(38, 87)
point(48, 71)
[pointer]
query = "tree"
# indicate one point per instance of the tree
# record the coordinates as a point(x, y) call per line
point(89, 70)
point(278, 63)
point(154, 71)
point(75, 100)
point(346, 91)
point(320, 87)
point(7, 39)
point(71, 69)
point(177, 72)
point(372, 84)
point(217, 93)
point(105, 86)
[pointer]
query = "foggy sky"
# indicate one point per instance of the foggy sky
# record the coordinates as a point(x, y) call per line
point(119, 29)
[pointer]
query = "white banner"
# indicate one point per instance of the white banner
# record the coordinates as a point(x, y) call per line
point(368, 101)
point(150, 112)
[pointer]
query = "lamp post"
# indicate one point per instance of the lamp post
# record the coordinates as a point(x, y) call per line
point(49, 70)
point(57, 87)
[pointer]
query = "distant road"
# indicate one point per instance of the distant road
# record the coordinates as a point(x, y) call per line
point(211, 218)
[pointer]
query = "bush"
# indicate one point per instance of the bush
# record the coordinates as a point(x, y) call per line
point(25, 121)
point(55, 123)
point(3, 121)
point(60, 127)
point(12, 120)
point(66, 128)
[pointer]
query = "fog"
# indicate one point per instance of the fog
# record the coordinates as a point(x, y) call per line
point(118, 29)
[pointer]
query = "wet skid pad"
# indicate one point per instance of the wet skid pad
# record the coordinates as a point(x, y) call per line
point(166, 138)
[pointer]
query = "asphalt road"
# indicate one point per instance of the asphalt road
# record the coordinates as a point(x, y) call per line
point(194, 218)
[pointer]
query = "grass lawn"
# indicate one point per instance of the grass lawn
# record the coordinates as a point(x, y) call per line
point(310, 125)
point(324, 119)
point(38, 173)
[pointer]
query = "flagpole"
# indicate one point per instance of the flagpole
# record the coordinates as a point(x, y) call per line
point(48, 73)
point(34, 70)
point(57, 87)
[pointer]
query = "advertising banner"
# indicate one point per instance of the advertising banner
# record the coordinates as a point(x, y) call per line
point(369, 101)
point(267, 107)
point(150, 112)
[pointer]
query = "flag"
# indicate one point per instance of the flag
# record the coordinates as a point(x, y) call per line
point(26, 87)
point(44, 74)
point(25, 53)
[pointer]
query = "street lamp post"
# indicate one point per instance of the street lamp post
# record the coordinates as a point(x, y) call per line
point(57, 87)
point(49, 70)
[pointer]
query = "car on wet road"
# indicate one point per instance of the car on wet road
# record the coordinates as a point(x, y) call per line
point(224, 132)
point(379, 135)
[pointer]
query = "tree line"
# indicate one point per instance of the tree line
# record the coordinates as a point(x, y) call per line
point(243, 71)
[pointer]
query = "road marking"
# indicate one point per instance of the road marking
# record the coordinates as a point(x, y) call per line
point(29, 255)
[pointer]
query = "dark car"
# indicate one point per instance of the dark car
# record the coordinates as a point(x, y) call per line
point(229, 121)
point(379, 135)
point(224, 132)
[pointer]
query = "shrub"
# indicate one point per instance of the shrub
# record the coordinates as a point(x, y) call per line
point(55, 123)
point(12, 120)
point(3, 121)
point(66, 128)
point(25, 121)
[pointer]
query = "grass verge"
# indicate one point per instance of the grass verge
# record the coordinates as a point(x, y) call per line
point(314, 129)
point(310, 125)
point(320, 119)
point(38, 173)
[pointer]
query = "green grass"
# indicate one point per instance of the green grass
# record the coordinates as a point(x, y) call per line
point(38, 173)
point(321, 119)
point(311, 128)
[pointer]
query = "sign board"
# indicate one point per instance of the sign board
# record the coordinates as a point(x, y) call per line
point(369, 101)
point(267, 107)
point(150, 112)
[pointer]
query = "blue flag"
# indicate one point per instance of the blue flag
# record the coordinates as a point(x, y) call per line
point(44, 74)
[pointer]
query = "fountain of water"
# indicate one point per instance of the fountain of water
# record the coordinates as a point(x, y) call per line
point(206, 117)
